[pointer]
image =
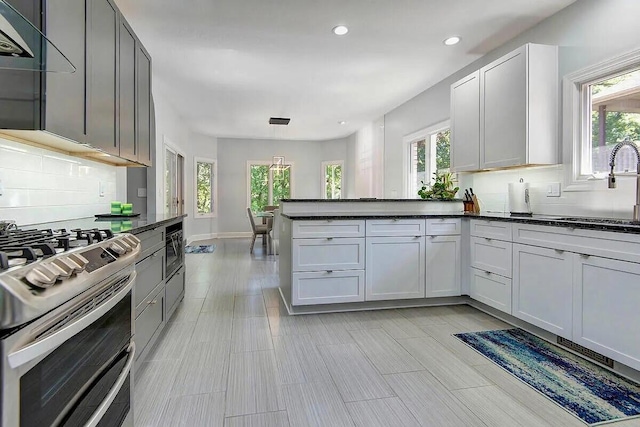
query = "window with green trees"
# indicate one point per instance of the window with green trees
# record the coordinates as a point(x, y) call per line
point(268, 186)
point(332, 172)
point(614, 112)
point(427, 155)
point(205, 187)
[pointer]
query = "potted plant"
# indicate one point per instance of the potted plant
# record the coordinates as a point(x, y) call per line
point(442, 188)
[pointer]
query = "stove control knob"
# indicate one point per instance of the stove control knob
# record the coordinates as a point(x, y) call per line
point(118, 248)
point(68, 262)
point(126, 244)
point(80, 261)
point(133, 241)
point(63, 269)
point(42, 276)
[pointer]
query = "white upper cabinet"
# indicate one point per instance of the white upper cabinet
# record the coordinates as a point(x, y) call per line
point(465, 123)
point(517, 112)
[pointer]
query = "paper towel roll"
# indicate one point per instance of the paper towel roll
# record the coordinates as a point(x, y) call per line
point(519, 198)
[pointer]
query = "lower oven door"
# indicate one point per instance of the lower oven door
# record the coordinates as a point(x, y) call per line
point(79, 373)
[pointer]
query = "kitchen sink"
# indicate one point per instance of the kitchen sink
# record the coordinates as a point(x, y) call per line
point(600, 221)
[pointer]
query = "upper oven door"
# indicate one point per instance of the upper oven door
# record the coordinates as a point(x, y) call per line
point(92, 363)
point(175, 252)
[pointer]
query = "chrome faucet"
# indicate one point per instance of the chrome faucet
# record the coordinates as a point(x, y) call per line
point(612, 176)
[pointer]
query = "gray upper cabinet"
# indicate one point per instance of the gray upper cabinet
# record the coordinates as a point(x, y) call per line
point(66, 92)
point(465, 123)
point(102, 76)
point(127, 92)
point(106, 103)
point(143, 105)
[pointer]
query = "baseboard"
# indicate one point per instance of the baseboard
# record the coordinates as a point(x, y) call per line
point(209, 236)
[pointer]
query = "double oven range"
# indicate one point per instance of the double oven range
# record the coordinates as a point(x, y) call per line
point(66, 327)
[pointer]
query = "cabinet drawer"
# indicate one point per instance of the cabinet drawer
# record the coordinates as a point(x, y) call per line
point(395, 227)
point(328, 288)
point(491, 289)
point(498, 230)
point(174, 288)
point(443, 227)
point(150, 272)
point(328, 254)
point(148, 322)
point(327, 228)
point(491, 255)
point(150, 241)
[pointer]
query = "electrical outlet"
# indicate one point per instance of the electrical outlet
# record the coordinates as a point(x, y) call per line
point(553, 189)
point(101, 189)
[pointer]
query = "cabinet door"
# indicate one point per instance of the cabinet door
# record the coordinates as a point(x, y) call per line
point(503, 111)
point(395, 268)
point(443, 266)
point(606, 310)
point(103, 71)
point(127, 92)
point(465, 124)
point(143, 104)
point(66, 97)
point(542, 288)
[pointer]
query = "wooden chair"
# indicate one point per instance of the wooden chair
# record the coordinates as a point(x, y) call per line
point(268, 208)
point(257, 229)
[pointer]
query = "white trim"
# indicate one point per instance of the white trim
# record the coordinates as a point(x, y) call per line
point(573, 113)
point(407, 140)
point(169, 145)
point(228, 235)
point(214, 187)
point(323, 178)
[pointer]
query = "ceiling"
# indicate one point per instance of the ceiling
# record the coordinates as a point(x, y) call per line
point(228, 65)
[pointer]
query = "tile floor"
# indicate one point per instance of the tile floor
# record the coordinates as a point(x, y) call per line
point(232, 357)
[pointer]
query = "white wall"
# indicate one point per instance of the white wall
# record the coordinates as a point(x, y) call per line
point(369, 160)
point(306, 156)
point(39, 185)
point(587, 32)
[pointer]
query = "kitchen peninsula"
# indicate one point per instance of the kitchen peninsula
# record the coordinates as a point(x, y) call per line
point(545, 274)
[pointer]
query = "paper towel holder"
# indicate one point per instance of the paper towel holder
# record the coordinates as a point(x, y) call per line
point(519, 200)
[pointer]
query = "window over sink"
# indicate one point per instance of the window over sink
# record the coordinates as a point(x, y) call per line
point(602, 108)
point(332, 178)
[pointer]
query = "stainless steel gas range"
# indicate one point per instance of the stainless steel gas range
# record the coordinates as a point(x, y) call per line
point(66, 327)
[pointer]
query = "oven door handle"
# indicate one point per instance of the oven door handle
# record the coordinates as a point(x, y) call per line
point(44, 346)
point(104, 406)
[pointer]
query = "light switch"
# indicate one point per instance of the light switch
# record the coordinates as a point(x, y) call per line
point(553, 189)
point(101, 189)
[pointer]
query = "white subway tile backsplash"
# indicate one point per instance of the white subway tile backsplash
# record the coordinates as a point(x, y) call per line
point(45, 186)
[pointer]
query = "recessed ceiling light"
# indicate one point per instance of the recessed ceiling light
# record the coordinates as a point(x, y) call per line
point(342, 122)
point(340, 30)
point(452, 40)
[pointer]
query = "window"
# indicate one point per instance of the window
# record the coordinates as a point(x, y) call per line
point(332, 179)
point(205, 184)
point(427, 152)
point(601, 108)
point(267, 186)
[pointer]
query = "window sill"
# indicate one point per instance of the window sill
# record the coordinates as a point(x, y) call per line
point(211, 215)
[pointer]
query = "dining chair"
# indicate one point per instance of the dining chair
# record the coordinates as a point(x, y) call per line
point(268, 208)
point(257, 229)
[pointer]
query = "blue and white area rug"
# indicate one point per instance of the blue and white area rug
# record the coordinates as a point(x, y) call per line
point(593, 394)
point(200, 249)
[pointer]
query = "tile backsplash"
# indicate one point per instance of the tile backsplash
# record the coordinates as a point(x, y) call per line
point(38, 185)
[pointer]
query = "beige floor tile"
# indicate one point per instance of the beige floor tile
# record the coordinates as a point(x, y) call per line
point(323, 334)
point(202, 410)
point(250, 334)
point(444, 335)
point(427, 315)
point(204, 369)
point(266, 419)
point(281, 323)
point(152, 386)
point(299, 360)
point(187, 311)
point(213, 327)
point(173, 341)
point(249, 306)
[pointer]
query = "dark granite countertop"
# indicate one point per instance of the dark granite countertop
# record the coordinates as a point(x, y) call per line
point(133, 225)
point(601, 224)
point(367, 199)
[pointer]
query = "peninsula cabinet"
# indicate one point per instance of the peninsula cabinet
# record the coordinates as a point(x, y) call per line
point(516, 120)
point(606, 297)
point(443, 266)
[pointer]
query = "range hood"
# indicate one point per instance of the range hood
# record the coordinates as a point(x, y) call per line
point(24, 47)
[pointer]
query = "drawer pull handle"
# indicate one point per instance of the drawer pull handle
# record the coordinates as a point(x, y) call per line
point(329, 238)
point(417, 237)
point(488, 273)
point(560, 251)
point(487, 239)
point(152, 302)
point(433, 236)
point(585, 256)
point(329, 271)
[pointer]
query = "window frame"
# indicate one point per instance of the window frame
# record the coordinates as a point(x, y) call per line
point(214, 187)
point(323, 177)
point(407, 141)
point(267, 163)
point(577, 108)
